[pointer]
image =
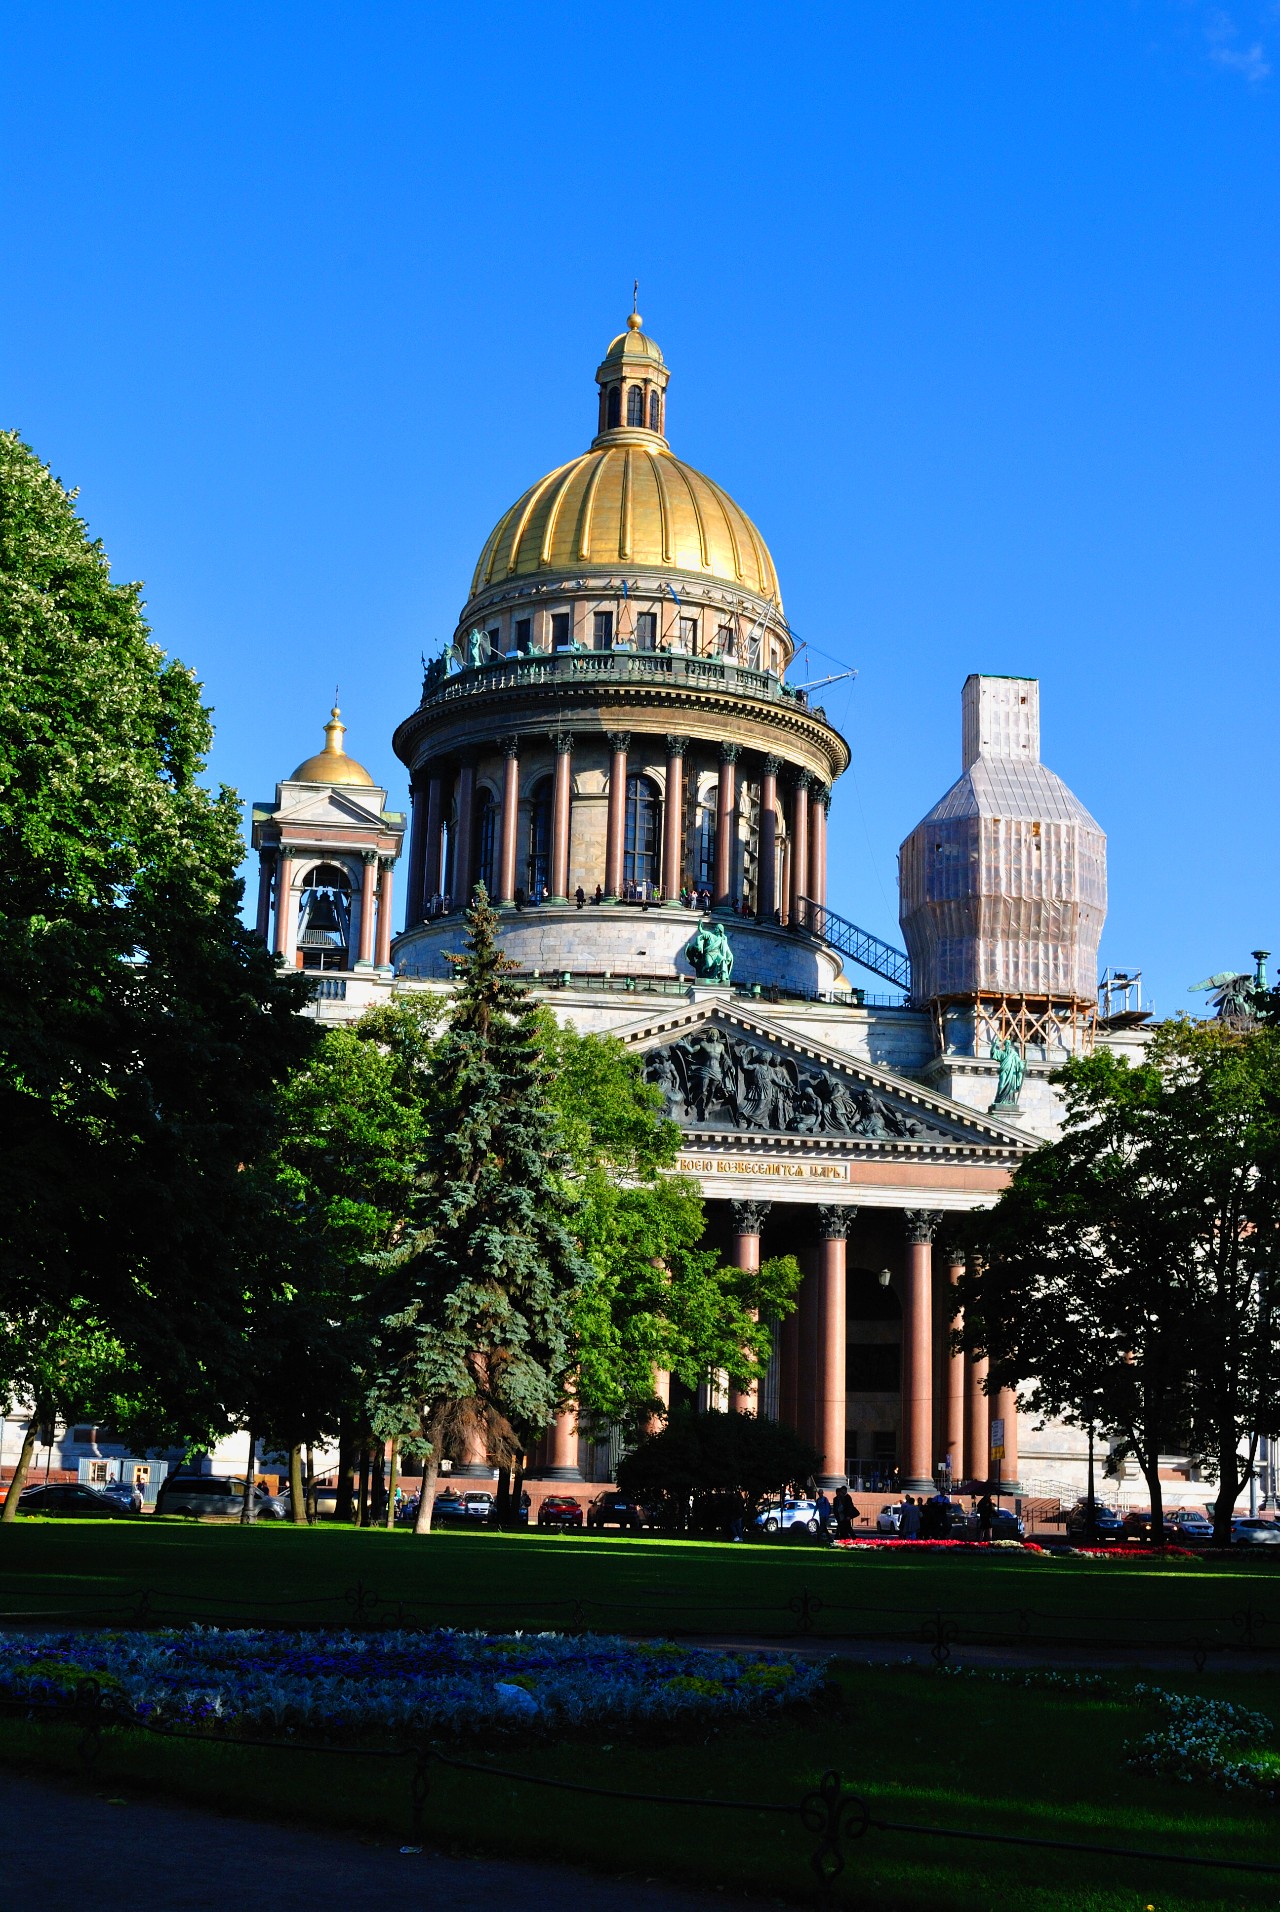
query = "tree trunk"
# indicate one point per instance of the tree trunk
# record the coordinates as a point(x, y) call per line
point(297, 1491)
point(517, 1490)
point(362, 1503)
point(395, 1481)
point(9, 1512)
point(247, 1504)
point(1229, 1484)
point(313, 1511)
point(430, 1473)
point(502, 1500)
point(1151, 1469)
point(346, 1474)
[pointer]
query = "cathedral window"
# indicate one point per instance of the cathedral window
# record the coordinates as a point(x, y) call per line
point(688, 630)
point(538, 862)
point(602, 630)
point(486, 840)
point(635, 405)
point(646, 630)
point(654, 413)
point(524, 635)
point(615, 406)
point(704, 839)
point(560, 631)
point(724, 640)
point(640, 844)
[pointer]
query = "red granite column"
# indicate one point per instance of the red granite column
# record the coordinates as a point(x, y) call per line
point(673, 821)
point(954, 1424)
point(726, 825)
point(564, 1447)
point(917, 1352)
point(385, 880)
point(800, 847)
point(1006, 1410)
point(767, 896)
point(662, 1389)
point(818, 802)
point(977, 1418)
point(266, 865)
point(368, 879)
point(431, 884)
point(789, 1377)
point(414, 910)
point(284, 903)
point(785, 910)
point(561, 800)
point(833, 1225)
point(462, 836)
point(510, 820)
point(615, 841)
point(807, 1335)
point(748, 1220)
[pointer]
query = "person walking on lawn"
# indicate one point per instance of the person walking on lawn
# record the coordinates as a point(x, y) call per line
point(986, 1515)
point(909, 1520)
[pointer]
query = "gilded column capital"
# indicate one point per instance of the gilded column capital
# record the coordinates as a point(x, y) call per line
point(834, 1223)
point(676, 746)
point(922, 1225)
point(619, 741)
point(749, 1217)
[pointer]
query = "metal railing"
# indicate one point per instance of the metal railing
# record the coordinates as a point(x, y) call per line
point(614, 668)
point(871, 952)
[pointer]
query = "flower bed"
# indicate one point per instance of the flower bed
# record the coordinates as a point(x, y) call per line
point(340, 1685)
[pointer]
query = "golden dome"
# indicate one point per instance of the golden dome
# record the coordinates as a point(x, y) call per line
point(633, 347)
point(632, 505)
point(332, 764)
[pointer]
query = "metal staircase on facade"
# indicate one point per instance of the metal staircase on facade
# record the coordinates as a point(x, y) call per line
point(881, 958)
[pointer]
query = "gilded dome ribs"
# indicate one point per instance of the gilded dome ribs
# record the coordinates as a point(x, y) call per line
point(531, 501)
point(624, 538)
point(697, 514)
point(587, 506)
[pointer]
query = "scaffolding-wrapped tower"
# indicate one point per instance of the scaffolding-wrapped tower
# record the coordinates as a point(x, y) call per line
point(1003, 889)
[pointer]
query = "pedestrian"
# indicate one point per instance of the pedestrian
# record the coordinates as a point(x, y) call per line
point(599, 895)
point(986, 1518)
point(822, 1508)
point(909, 1520)
point(580, 896)
point(844, 1510)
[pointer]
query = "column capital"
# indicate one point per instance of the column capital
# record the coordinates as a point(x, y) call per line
point(834, 1223)
point(730, 753)
point(510, 746)
point(749, 1217)
point(801, 779)
point(386, 864)
point(561, 741)
point(820, 793)
point(676, 746)
point(771, 766)
point(619, 741)
point(952, 1256)
point(368, 856)
point(922, 1225)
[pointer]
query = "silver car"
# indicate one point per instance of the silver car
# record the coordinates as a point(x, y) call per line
point(780, 1515)
point(1248, 1532)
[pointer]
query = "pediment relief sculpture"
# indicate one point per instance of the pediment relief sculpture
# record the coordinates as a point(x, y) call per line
point(711, 1080)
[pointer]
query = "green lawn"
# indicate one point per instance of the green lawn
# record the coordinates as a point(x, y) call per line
point(925, 1748)
point(274, 1573)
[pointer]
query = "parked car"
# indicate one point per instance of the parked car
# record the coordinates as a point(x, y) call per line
point(477, 1506)
point(1248, 1532)
point(1005, 1525)
point(1107, 1524)
point(73, 1500)
point(560, 1510)
point(127, 1492)
point(1190, 1525)
point(214, 1496)
point(889, 1519)
point(615, 1510)
point(779, 1516)
point(447, 1506)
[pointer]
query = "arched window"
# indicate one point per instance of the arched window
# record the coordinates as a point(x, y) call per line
point(640, 845)
point(704, 840)
point(486, 841)
point(635, 405)
point(538, 863)
point(654, 413)
point(324, 918)
point(615, 406)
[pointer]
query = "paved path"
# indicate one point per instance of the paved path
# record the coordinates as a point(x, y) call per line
point(67, 1849)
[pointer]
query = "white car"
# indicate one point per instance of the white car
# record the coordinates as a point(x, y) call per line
point(889, 1519)
point(1248, 1532)
point(789, 1513)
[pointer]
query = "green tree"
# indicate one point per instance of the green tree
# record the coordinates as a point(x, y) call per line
point(60, 1365)
point(1128, 1277)
point(142, 1027)
point(477, 1308)
point(656, 1300)
point(715, 1453)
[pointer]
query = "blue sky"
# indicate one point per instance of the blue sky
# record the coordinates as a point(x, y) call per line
point(973, 308)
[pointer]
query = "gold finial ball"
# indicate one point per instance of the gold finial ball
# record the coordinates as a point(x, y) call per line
point(634, 322)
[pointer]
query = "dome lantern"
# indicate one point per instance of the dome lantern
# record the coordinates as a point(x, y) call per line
point(632, 377)
point(332, 764)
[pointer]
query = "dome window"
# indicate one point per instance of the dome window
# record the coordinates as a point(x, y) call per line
point(635, 405)
point(646, 630)
point(615, 406)
point(640, 851)
point(602, 630)
point(655, 413)
point(524, 635)
point(688, 628)
point(539, 860)
point(560, 631)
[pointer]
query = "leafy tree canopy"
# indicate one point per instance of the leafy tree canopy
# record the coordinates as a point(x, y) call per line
point(710, 1453)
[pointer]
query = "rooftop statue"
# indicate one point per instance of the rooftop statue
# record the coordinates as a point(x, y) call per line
point(709, 953)
point(1012, 1071)
point(1239, 997)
